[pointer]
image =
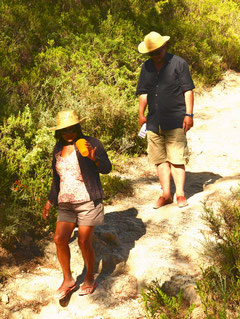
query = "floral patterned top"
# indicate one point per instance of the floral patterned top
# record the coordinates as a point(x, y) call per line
point(72, 187)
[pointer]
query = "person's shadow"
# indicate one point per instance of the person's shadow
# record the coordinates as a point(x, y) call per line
point(113, 241)
point(195, 182)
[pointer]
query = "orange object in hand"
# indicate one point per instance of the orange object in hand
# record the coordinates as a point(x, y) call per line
point(82, 147)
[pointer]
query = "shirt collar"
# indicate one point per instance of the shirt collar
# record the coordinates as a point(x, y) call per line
point(167, 59)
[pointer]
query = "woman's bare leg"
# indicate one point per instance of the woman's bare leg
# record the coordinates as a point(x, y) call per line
point(61, 238)
point(85, 234)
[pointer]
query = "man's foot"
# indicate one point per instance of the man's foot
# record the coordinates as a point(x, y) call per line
point(86, 289)
point(181, 201)
point(162, 201)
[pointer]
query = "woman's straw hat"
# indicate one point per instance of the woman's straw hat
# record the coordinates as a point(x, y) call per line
point(152, 41)
point(64, 119)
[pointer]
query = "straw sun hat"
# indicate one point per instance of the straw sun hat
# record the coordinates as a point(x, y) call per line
point(152, 41)
point(64, 119)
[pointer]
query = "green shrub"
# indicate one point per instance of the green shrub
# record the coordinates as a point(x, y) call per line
point(25, 163)
point(160, 306)
point(115, 185)
point(219, 287)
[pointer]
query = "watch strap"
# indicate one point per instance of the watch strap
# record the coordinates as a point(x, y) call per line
point(189, 114)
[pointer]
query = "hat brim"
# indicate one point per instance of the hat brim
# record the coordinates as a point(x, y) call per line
point(143, 49)
point(60, 127)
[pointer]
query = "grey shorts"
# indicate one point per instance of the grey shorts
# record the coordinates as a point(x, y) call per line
point(83, 214)
point(167, 146)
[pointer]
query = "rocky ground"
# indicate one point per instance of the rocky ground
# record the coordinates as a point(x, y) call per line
point(138, 244)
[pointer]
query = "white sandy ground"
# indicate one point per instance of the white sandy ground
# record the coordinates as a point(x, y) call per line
point(154, 243)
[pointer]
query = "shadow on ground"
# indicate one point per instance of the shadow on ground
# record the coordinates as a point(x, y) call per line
point(113, 242)
point(115, 239)
point(196, 182)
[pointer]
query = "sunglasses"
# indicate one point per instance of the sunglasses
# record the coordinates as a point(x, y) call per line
point(158, 51)
point(69, 130)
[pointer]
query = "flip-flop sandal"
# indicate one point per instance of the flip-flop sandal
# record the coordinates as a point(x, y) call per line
point(64, 293)
point(87, 290)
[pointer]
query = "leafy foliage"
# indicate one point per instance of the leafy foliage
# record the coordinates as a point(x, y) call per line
point(159, 305)
point(220, 283)
point(25, 176)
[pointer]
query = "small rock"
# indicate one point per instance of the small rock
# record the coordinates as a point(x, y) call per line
point(190, 295)
point(5, 299)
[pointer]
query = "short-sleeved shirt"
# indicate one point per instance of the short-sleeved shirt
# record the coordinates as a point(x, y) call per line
point(165, 92)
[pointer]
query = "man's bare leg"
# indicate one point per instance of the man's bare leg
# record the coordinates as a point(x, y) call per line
point(164, 175)
point(178, 173)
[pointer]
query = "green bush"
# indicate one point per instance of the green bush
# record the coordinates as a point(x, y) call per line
point(25, 163)
point(161, 306)
point(219, 287)
point(115, 185)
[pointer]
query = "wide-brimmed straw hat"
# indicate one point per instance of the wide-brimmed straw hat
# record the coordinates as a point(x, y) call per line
point(152, 41)
point(64, 119)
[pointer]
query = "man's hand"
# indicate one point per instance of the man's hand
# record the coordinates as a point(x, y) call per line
point(142, 119)
point(187, 123)
point(46, 209)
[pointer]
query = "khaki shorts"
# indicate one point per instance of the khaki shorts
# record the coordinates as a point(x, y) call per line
point(83, 214)
point(167, 146)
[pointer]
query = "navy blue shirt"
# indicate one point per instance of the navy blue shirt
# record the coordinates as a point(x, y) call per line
point(165, 92)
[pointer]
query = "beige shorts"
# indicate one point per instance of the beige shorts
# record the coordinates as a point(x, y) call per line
point(83, 214)
point(167, 146)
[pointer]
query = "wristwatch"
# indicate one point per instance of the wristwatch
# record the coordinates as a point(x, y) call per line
point(189, 114)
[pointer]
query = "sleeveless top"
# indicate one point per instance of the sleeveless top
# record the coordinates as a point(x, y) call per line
point(72, 187)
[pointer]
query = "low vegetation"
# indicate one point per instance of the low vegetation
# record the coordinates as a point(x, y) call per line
point(159, 305)
point(219, 286)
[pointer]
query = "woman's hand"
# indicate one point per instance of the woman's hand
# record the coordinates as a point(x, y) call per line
point(91, 152)
point(46, 209)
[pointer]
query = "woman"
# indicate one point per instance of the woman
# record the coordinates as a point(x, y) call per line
point(77, 191)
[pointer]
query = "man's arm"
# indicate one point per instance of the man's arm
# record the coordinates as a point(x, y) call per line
point(189, 101)
point(142, 107)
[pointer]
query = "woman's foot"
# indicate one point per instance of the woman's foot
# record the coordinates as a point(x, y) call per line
point(87, 288)
point(65, 288)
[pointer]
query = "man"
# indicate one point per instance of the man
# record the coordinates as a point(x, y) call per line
point(166, 86)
